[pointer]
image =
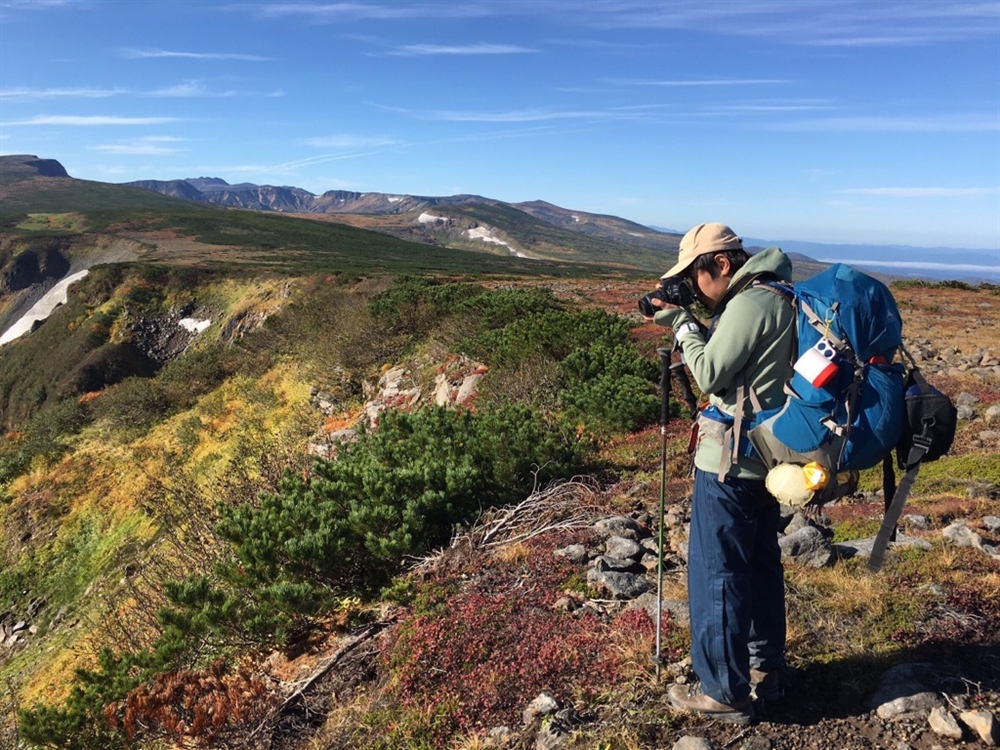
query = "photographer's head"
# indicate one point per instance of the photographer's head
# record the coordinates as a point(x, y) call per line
point(710, 255)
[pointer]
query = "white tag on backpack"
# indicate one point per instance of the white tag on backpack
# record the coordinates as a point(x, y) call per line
point(818, 364)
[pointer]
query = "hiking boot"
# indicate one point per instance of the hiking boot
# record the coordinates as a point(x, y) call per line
point(770, 686)
point(765, 686)
point(690, 699)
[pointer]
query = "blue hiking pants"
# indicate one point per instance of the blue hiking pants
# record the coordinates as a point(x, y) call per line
point(736, 585)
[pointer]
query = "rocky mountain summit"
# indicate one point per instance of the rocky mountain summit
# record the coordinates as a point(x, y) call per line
point(296, 200)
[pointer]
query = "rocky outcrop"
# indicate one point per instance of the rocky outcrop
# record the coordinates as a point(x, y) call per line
point(35, 267)
point(25, 166)
point(456, 383)
point(163, 338)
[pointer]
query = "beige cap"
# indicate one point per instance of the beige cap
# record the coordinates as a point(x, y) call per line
point(704, 238)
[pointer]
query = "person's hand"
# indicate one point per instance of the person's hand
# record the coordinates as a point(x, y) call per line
point(655, 302)
point(659, 303)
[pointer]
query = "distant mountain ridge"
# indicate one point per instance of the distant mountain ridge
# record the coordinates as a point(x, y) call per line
point(38, 194)
point(297, 200)
point(531, 229)
point(467, 221)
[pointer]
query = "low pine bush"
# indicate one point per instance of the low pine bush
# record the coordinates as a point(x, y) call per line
point(610, 386)
point(397, 492)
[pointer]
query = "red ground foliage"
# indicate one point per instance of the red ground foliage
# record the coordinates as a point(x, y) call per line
point(194, 707)
point(484, 652)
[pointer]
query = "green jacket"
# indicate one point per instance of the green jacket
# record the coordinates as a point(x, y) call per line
point(754, 334)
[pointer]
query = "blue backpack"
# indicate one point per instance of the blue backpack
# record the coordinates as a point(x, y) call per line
point(855, 417)
point(852, 410)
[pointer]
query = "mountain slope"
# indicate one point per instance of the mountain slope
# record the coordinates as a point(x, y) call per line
point(609, 237)
point(80, 216)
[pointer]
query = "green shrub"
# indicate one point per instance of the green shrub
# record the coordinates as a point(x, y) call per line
point(620, 404)
point(498, 308)
point(132, 406)
point(46, 434)
point(194, 374)
point(110, 364)
point(610, 387)
point(398, 492)
point(80, 724)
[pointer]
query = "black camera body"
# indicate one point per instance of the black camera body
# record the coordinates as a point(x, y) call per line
point(672, 291)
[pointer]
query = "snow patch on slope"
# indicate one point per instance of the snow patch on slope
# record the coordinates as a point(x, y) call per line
point(56, 296)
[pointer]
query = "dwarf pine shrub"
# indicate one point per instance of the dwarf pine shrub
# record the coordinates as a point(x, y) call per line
point(397, 492)
point(610, 386)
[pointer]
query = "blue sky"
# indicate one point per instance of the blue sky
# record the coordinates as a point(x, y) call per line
point(858, 121)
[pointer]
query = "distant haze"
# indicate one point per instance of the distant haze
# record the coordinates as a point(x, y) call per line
point(942, 263)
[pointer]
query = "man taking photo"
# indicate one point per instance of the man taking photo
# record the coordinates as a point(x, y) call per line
point(736, 587)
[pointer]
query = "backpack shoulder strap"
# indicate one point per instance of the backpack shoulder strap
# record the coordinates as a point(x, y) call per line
point(763, 279)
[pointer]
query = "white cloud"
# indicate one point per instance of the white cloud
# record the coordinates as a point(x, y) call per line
point(150, 146)
point(921, 192)
point(957, 123)
point(386, 11)
point(180, 90)
point(81, 93)
point(527, 115)
point(791, 105)
point(840, 23)
point(917, 266)
point(37, 4)
point(698, 82)
point(346, 141)
point(137, 149)
point(414, 50)
point(829, 23)
point(89, 120)
point(160, 53)
point(188, 90)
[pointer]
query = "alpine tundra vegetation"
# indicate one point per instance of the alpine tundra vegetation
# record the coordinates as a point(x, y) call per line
point(270, 481)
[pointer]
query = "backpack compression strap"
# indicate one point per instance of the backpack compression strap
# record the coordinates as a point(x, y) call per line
point(894, 509)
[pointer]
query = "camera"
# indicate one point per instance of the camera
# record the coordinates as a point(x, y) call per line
point(672, 291)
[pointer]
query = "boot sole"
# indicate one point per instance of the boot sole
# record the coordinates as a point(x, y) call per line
point(730, 717)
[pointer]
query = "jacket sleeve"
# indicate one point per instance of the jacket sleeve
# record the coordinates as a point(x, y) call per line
point(716, 363)
point(672, 317)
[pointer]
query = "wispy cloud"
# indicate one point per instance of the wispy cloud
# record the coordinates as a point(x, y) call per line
point(922, 192)
point(840, 23)
point(67, 93)
point(415, 50)
point(154, 145)
point(135, 149)
point(528, 115)
point(698, 82)
point(919, 266)
point(90, 120)
point(763, 107)
point(347, 141)
point(139, 54)
point(36, 4)
point(287, 168)
point(191, 89)
point(386, 11)
point(950, 123)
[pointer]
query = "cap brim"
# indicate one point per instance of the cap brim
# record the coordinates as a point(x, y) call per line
point(678, 269)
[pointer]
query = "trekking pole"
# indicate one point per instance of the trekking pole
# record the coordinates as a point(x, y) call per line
point(664, 418)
